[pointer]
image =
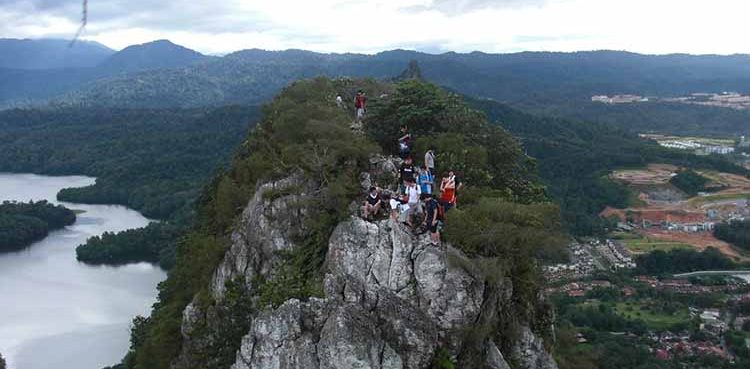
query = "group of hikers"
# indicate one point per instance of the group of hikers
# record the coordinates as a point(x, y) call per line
point(419, 203)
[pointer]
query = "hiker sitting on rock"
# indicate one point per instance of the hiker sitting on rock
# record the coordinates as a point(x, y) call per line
point(373, 203)
point(339, 101)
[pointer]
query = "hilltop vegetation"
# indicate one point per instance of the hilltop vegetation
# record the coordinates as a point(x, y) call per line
point(23, 223)
point(303, 131)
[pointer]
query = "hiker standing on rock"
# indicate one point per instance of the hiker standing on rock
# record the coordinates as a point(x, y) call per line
point(404, 142)
point(429, 160)
point(413, 194)
point(425, 179)
point(360, 106)
point(433, 220)
point(406, 173)
point(448, 190)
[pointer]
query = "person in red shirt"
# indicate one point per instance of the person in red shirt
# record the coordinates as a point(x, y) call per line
point(360, 106)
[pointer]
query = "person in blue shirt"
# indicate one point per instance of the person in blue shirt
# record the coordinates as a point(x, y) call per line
point(426, 179)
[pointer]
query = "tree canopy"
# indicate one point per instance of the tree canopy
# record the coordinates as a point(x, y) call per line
point(23, 223)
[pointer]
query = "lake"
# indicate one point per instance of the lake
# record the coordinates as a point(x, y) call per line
point(56, 312)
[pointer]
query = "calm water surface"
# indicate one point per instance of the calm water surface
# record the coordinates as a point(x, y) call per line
point(56, 312)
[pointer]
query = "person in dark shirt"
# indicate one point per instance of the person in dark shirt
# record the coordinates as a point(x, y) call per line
point(432, 219)
point(372, 204)
point(407, 172)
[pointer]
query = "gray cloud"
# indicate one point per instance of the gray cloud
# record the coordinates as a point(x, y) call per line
point(458, 7)
point(198, 16)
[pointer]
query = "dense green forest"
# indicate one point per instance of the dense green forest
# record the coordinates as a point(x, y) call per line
point(154, 244)
point(303, 120)
point(689, 182)
point(682, 261)
point(736, 232)
point(575, 157)
point(155, 161)
point(23, 223)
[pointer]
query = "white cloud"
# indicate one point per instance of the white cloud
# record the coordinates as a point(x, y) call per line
point(663, 26)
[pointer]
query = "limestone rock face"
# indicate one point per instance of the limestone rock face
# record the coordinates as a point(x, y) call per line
point(266, 227)
point(390, 299)
point(531, 353)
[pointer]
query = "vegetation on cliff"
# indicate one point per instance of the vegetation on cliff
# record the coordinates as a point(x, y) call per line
point(23, 223)
point(303, 132)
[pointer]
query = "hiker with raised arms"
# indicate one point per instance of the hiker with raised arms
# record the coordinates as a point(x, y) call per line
point(404, 142)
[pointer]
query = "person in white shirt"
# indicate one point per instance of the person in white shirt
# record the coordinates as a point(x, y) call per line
point(413, 193)
point(429, 160)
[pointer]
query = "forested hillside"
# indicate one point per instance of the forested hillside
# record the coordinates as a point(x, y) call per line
point(23, 223)
point(557, 84)
point(574, 158)
point(154, 161)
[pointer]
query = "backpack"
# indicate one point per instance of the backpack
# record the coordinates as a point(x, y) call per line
point(441, 211)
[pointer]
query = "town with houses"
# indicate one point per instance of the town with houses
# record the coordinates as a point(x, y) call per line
point(726, 99)
point(678, 316)
point(691, 330)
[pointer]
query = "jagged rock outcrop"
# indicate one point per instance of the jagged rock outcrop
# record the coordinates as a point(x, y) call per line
point(267, 227)
point(390, 298)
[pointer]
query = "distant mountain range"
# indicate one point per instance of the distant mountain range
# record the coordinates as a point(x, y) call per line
point(51, 54)
point(162, 74)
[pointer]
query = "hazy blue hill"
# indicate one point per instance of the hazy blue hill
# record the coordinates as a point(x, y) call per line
point(161, 54)
point(521, 78)
point(51, 54)
point(161, 75)
point(19, 86)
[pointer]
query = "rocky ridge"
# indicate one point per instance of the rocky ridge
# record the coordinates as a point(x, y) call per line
point(389, 299)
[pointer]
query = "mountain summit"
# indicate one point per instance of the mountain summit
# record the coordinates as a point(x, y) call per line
point(158, 54)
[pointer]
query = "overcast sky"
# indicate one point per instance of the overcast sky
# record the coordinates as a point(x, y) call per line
point(368, 26)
